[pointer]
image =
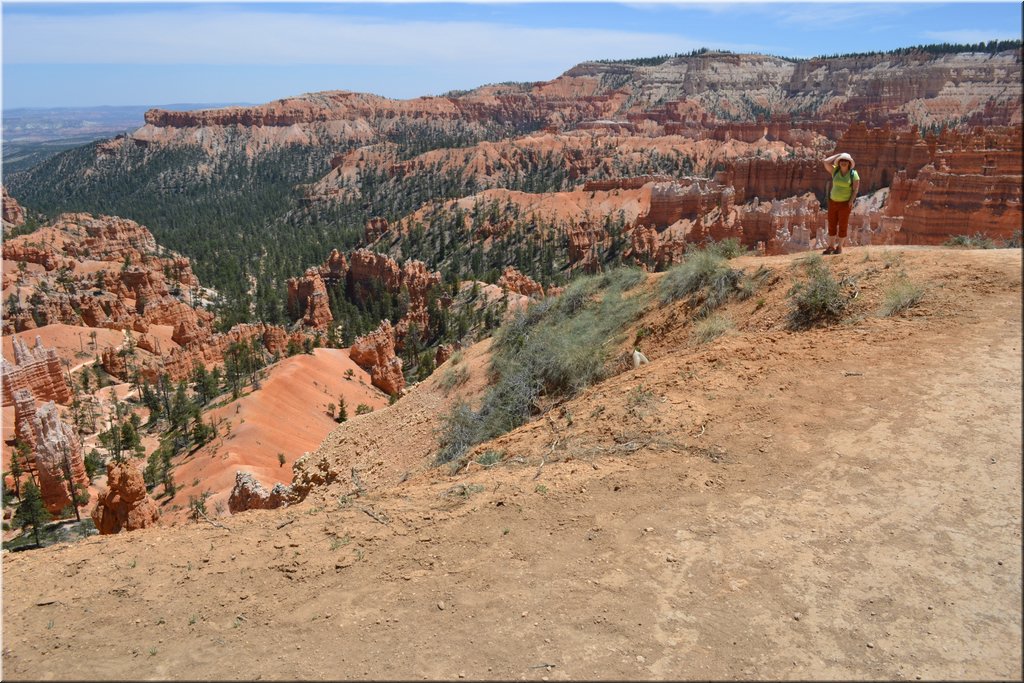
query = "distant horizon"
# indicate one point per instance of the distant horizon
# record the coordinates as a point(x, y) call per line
point(175, 105)
point(255, 52)
point(185, 106)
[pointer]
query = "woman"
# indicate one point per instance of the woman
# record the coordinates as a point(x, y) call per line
point(845, 183)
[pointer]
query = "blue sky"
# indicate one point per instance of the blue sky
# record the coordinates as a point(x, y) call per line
point(89, 54)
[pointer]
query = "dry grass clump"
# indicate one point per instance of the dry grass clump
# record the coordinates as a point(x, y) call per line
point(902, 296)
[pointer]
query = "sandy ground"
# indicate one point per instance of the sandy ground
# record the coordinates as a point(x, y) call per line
point(841, 503)
point(72, 343)
point(287, 415)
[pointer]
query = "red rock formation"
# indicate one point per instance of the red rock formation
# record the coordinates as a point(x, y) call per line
point(584, 245)
point(369, 270)
point(106, 238)
point(154, 286)
point(124, 505)
point(45, 254)
point(443, 353)
point(653, 250)
point(375, 228)
point(55, 448)
point(936, 206)
point(188, 332)
point(631, 183)
point(514, 281)
point(38, 369)
point(375, 352)
point(249, 494)
point(210, 351)
point(147, 343)
point(13, 214)
point(307, 295)
point(767, 178)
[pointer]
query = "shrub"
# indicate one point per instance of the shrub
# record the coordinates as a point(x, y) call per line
point(692, 275)
point(554, 349)
point(819, 300)
point(727, 248)
point(94, 464)
point(623, 279)
point(452, 378)
point(710, 329)
point(363, 409)
point(706, 275)
point(578, 293)
point(902, 296)
point(978, 240)
point(1015, 241)
point(459, 430)
point(490, 458)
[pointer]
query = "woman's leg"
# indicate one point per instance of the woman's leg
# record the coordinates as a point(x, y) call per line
point(844, 224)
point(833, 225)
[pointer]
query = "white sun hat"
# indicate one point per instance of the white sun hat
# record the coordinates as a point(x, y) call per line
point(846, 156)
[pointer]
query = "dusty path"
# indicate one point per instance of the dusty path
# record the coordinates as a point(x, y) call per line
point(848, 510)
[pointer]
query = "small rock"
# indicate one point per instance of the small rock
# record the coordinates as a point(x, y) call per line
point(440, 605)
point(871, 645)
point(796, 616)
point(640, 659)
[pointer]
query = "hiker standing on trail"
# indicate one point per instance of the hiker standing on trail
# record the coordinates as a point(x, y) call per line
point(843, 190)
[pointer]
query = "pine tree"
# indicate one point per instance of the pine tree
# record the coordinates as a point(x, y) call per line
point(31, 511)
point(22, 451)
point(342, 410)
point(79, 495)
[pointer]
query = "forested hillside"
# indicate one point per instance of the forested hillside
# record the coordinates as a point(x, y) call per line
point(256, 195)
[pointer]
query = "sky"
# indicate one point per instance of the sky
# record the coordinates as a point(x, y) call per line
point(83, 54)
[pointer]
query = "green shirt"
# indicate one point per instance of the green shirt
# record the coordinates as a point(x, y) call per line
point(842, 185)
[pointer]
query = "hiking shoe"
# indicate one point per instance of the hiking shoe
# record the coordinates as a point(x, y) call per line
point(828, 251)
point(837, 250)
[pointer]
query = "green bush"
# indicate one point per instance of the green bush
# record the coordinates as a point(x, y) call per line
point(490, 458)
point(692, 275)
point(902, 296)
point(706, 276)
point(727, 248)
point(553, 349)
point(819, 300)
point(623, 279)
point(978, 240)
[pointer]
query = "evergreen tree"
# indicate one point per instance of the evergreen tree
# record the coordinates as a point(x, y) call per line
point(31, 511)
point(22, 452)
point(79, 495)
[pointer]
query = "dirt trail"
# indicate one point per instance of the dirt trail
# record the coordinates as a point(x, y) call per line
point(835, 504)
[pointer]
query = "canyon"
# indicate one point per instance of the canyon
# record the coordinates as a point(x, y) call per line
point(277, 427)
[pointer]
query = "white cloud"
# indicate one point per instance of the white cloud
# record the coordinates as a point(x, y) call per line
point(199, 35)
